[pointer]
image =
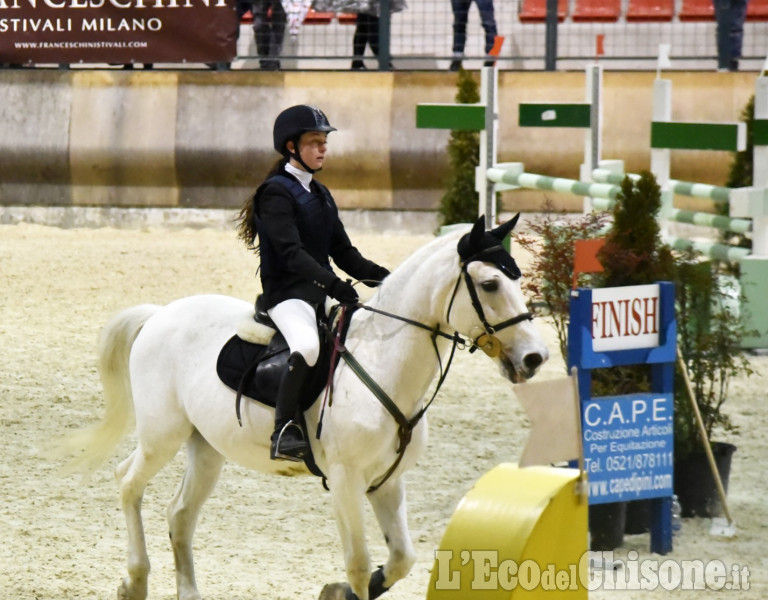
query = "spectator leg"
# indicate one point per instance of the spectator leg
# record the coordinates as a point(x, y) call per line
point(261, 29)
point(723, 18)
point(373, 34)
point(359, 41)
point(488, 19)
point(738, 16)
point(278, 23)
point(460, 17)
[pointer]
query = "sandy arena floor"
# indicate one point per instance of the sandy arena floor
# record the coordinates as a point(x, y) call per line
point(62, 539)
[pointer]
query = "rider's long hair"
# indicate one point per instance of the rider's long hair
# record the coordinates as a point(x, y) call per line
point(246, 228)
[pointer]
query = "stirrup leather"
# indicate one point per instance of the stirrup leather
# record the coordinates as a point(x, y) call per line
point(277, 454)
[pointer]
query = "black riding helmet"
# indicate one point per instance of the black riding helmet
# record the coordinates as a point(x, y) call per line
point(294, 121)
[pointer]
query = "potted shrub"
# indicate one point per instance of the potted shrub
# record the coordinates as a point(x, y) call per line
point(629, 252)
point(552, 251)
point(710, 330)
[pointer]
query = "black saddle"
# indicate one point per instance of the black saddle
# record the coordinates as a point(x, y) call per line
point(254, 371)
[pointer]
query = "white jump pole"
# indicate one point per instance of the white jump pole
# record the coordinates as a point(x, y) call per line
point(486, 189)
point(661, 157)
point(593, 136)
point(759, 171)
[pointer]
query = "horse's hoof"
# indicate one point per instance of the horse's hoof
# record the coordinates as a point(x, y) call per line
point(337, 591)
point(129, 591)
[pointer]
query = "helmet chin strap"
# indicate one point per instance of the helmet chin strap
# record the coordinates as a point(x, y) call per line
point(295, 155)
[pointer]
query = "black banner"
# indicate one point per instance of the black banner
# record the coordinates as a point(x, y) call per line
point(117, 31)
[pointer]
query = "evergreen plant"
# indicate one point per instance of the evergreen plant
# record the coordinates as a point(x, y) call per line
point(634, 253)
point(460, 201)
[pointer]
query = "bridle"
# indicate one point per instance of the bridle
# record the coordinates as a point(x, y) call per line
point(486, 341)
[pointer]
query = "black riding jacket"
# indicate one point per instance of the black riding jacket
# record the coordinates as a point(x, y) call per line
point(298, 232)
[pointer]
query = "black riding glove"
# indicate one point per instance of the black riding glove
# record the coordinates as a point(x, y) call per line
point(375, 276)
point(343, 292)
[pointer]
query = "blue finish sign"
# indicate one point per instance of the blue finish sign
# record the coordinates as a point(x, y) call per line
point(628, 447)
point(628, 440)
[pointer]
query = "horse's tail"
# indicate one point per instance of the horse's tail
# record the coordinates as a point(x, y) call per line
point(92, 446)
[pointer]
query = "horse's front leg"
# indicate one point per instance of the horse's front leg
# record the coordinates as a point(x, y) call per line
point(348, 490)
point(389, 505)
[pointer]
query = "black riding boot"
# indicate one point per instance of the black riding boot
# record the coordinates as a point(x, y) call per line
point(288, 441)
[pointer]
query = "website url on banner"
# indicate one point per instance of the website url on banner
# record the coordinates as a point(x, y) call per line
point(76, 45)
point(488, 572)
point(627, 485)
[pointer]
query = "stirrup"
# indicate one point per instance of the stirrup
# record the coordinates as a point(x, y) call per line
point(276, 454)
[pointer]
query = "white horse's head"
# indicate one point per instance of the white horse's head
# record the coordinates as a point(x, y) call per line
point(488, 304)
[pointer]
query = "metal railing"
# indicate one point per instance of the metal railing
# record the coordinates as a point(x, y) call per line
point(421, 37)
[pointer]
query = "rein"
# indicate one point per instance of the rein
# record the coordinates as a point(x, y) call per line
point(405, 425)
point(486, 342)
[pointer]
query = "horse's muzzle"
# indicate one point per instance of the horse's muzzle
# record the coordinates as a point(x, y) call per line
point(530, 365)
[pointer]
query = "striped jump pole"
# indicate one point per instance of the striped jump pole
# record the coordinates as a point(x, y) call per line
point(703, 219)
point(724, 252)
point(513, 174)
point(717, 193)
point(695, 190)
point(604, 197)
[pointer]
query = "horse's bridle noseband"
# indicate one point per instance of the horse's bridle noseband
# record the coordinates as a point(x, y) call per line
point(486, 341)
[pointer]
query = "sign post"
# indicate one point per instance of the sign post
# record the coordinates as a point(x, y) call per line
point(628, 440)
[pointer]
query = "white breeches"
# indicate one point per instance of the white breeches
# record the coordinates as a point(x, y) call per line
point(297, 322)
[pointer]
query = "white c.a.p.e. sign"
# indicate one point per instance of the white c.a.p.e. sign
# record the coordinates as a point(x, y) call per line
point(625, 318)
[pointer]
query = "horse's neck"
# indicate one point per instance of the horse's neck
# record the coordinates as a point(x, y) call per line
point(398, 355)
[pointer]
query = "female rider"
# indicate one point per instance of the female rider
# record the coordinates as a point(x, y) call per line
point(298, 225)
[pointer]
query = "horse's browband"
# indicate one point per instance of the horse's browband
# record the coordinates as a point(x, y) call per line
point(479, 255)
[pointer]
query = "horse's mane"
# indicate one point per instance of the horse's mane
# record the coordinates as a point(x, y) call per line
point(431, 251)
point(438, 256)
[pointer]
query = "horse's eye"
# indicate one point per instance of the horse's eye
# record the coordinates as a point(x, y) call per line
point(490, 285)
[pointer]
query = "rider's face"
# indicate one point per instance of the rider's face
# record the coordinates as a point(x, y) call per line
point(312, 148)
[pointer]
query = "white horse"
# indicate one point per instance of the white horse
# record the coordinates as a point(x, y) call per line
point(159, 364)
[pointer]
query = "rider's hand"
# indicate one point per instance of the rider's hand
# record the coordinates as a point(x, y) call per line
point(343, 292)
point(376, 276)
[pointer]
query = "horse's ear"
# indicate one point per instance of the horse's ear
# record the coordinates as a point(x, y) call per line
point(504, 229)
point(478, 230)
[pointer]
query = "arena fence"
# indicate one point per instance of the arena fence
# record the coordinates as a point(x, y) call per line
point(622, 34)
